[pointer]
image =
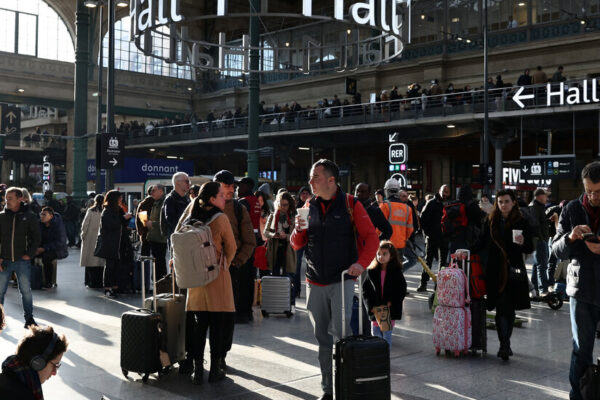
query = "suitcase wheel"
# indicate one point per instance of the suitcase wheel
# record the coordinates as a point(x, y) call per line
point(288, 314)
point(125, 372)
point(554, 301)
point(264, 313)
point(145, 378)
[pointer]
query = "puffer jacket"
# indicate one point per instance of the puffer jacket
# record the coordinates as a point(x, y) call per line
point(19, 234)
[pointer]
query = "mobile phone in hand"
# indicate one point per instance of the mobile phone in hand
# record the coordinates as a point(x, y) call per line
point(590, 237)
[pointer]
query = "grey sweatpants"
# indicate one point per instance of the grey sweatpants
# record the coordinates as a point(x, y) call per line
point(324, 305)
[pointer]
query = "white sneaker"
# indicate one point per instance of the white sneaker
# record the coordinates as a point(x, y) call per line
point(293, 309)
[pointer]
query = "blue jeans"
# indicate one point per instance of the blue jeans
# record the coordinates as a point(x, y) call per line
point(22, 268)
point(376, 331)
point(584, 319)
point(539, 274)
point(409, 257)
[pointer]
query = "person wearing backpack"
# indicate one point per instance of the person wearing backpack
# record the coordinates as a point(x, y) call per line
point(211, 306)
point(539, 274)
point(468, 230)
point(506, 238)
point(338, 236)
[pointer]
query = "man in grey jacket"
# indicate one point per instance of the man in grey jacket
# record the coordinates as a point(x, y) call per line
point(19, 239)
point(578, 218)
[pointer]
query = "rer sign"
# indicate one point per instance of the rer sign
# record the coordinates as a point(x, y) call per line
point(398, 153)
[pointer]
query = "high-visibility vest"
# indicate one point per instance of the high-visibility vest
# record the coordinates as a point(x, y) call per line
point(401, 220)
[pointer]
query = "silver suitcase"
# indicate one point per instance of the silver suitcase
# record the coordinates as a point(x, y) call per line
point(276, 295)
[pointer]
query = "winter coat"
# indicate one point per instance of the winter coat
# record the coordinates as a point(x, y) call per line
point(12, 387)
point(171, 211)
point(217, 296)
point(583, 279)
point(108, 244)
point(431, 218)
point(394, 291)
point(466, 238)
point(54, 237)
point(90, 228)
point(543, 232)
point(19, 234)
point(497, 265)
point(379, 221)
point(290, 253)
point(243, 231)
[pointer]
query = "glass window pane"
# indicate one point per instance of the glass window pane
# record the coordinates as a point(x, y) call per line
point(7, 31)
point(29, 6)
point(27, 31)
point(8, 4)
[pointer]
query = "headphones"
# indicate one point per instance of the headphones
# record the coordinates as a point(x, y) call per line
point(39, 362)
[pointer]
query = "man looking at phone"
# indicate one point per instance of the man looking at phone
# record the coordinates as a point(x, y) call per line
point(338, 235)
point(573, 241)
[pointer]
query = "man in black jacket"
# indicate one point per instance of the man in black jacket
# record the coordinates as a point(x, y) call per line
point(174, 204)
point(539, 274)
point(19, 239)
point(436, 244)
point(579, 217)
point(363, 193)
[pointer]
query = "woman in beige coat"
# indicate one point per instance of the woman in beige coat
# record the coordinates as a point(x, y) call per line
point(89, 234)
point(211, 306)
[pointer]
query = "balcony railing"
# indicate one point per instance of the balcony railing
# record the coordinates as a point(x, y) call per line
point(421, 107)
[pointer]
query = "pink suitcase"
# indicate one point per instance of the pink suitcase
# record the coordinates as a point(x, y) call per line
point(452, 283)
point(452, 329)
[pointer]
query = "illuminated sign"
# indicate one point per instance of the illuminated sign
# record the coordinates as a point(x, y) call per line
point(398, 153)
point(559, 95)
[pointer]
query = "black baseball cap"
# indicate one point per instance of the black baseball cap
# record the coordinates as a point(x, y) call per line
point(225, 177)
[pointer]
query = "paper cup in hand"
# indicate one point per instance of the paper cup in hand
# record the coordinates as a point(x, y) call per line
point(516, 233)
point(303, 214)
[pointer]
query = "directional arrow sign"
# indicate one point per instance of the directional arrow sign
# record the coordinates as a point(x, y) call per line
point(392, 137)
point(398, 153)
point(548, 167)
point(11, 119)
point(112, 147)
point(519, 96)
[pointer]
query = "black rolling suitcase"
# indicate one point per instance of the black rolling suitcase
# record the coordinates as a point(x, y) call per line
point(478, 326)
point(141, 340)
point(362, 363)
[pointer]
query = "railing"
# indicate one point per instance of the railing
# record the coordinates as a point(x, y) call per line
point(421, 107)
point(36, 141)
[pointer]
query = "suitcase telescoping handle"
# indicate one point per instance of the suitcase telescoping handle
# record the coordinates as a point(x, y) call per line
point(152, 260)
point(360, 305)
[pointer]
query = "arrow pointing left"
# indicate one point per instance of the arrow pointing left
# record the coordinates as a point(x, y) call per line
point(519, 96)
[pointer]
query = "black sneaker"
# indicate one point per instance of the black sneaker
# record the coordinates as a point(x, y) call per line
point(30, 322)
point(110, 293)
point(422, 288)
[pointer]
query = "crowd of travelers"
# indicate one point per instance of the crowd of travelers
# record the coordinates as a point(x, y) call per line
point(370, 232)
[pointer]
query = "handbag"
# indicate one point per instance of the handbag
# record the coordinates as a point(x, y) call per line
point(260, 257)
point(382, 315)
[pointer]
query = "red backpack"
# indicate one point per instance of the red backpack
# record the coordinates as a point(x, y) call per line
point(454, 219)
point(478, 287)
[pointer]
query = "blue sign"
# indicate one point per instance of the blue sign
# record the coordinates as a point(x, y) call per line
point(141, 169)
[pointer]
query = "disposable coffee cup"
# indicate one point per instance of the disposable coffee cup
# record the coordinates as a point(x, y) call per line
point(303, 213)
point(517, 233)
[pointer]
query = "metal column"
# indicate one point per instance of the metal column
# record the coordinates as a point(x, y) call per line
point(98, 185)
point(110, 84)
point(82, 21)
point(254, 91)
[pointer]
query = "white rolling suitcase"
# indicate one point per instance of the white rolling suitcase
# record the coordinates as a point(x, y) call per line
point(276, 295)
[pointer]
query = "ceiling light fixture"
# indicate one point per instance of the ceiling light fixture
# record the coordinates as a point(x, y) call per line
point(521, 4)
point(304, 148)
point(422, 16)
point(90, 3)
point(20, 90)
point(450, 126)
point(122, 3)
point(151, 149)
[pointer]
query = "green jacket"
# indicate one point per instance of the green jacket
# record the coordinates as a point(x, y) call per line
point(19, 234)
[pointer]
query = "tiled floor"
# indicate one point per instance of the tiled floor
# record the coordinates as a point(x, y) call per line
point(276, 358)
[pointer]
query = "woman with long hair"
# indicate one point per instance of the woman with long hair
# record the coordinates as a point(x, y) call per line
point(89, 235)
point(108, 245)
point(278, 228)
point(506, 238)
point(265, 210)
point(211, 306)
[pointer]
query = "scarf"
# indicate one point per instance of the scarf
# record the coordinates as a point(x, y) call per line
point(29, 377)
point(593, 213)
